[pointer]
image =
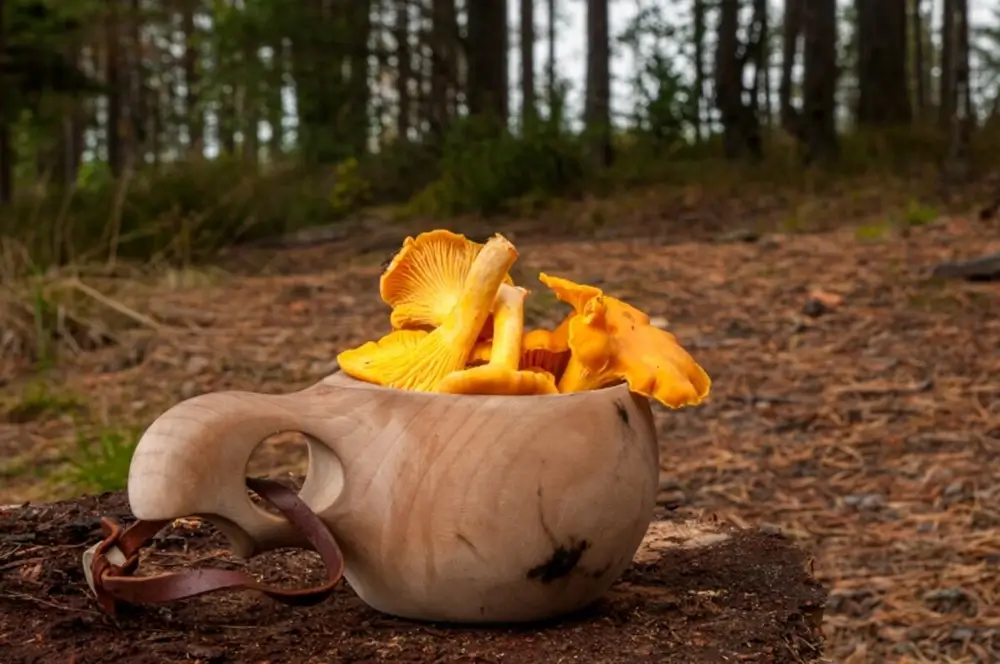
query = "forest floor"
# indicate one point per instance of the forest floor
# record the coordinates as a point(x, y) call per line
point(855, 405)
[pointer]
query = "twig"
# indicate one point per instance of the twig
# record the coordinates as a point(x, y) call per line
point(140, 318)
point(20, 562)
point(20, 551)
point(24, 597)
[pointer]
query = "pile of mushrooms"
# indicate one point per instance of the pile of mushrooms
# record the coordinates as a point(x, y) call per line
point(458, 328)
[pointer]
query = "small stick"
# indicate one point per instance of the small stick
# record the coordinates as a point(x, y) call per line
point(141, 318)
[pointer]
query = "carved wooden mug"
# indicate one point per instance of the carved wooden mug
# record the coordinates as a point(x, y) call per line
point(454, 508)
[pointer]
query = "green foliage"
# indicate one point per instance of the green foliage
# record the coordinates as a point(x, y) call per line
point(872, 232)
point(917, 214)
point(666, 102)
point(350, 189)
point(35, 67)
point(483, 169)
point(179, 212)
point(101, 462)
point(913, 215)
point(399, 169)
point(39, 400)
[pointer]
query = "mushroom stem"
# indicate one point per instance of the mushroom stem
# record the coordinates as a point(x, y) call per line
point(480, 287)
point(508, 327)
point(577, 378)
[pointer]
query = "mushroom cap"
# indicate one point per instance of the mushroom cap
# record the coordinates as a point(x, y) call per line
point(574, 294)
point(612, 341)
point(386, 361)
point(418, 359)
point(498, 380)
point(424, 279)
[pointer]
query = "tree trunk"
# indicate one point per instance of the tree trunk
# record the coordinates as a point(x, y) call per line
point(699, 66)
point(421, 74)
point(318, 57)
point(275, 102)
point(728, 78)
point(67, 147)
point(761, 60)
point(73, 144)
point(963, 116)
point(6, 148)
point(791, 31)
point(963, 73)
point(740, 119)
point(250, 107)
point(113, 79)
point(883, 97)
point(139, 93)
point(820, 80)
point(404, 73)
point(550, 67)
point(597, 105)
point(919, 63)
point(946, 83)
point(487, 59)
point(444, 66)
point(527, 63)
point(189, 60)
point(358, 92)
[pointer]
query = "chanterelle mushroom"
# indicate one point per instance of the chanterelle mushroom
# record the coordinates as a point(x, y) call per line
point(501, 374)
point(540, 349)
point(424, 280)
point(612, 341)
point(418, 360)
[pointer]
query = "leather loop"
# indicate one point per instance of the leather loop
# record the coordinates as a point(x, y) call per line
point(115, 583)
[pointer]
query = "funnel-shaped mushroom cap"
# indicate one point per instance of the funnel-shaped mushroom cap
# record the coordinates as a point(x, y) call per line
point(501, 374)
point(417, 359)
point(613, 341)
point(425, 278)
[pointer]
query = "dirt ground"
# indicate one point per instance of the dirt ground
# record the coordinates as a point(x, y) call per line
point(747, 599)
point(855, 405)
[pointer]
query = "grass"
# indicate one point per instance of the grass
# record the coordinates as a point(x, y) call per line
point(913, 214)
point(38, 400)
point(95, 461)
point(100, 462)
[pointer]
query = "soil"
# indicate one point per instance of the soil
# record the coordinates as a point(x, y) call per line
point(695, 593)
point(855, 404)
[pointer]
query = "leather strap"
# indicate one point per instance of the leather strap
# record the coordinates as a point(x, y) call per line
point(115, 583)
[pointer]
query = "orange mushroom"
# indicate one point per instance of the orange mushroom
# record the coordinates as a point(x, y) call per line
point(611, 341)
point(418, 359)
point(501, 374)
point(540, 349)
point(424, 280)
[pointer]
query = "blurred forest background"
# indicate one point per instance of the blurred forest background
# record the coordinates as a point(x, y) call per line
point(171, 128)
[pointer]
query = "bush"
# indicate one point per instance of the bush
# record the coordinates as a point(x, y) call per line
point(483, 170)
point(181, 212)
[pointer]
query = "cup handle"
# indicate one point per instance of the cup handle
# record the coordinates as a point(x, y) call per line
point(192, 462)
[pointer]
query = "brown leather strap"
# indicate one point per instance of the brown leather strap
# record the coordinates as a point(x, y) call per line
point(114, 583)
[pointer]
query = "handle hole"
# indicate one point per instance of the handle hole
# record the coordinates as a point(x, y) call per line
point(283, 457)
